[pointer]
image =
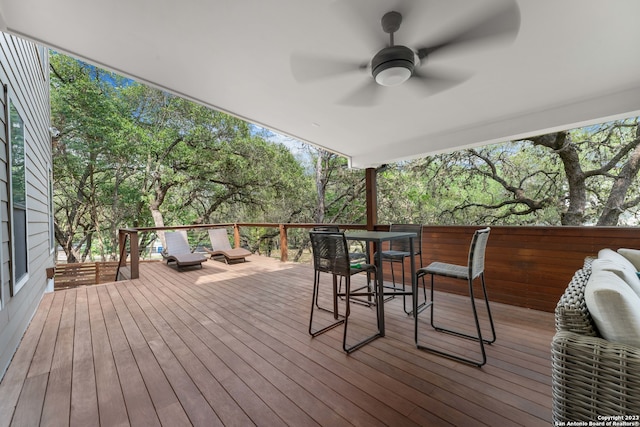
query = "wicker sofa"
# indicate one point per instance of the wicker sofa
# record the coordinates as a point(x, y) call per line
point(591, 376)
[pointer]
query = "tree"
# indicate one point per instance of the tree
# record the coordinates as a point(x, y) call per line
point(130, 155)
point(513, 189)
point(576, 177)
point(85, 153)
point(339, 190)
point(609, 156)
point(201, 164)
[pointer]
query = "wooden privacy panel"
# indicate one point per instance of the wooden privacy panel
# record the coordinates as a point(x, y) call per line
point(85, 273)
point(525, 266)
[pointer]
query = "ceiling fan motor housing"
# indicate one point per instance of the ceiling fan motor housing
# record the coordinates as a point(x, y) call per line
point(392, 65)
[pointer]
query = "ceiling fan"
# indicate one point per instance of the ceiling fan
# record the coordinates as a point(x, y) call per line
point(396, 64)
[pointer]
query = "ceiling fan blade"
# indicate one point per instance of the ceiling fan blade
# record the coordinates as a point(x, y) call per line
point(308, 68)
point(431, 82)
point(365, 96)
point(501, 24)
point(363, 21)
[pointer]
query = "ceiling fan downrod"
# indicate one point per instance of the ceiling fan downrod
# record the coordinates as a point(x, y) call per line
point(393, 65)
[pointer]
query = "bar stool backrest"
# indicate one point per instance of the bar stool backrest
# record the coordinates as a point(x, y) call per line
point(330, 253)
point(403, 245)
point(331, 228)
point(477, 252)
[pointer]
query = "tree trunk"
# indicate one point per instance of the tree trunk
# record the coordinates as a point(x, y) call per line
point(158, 221)
point(615, 203)
point(116, 216)
point(87, 247)
point(321, 188)
point(70, 252)
point(561, 144)
point(160, 192)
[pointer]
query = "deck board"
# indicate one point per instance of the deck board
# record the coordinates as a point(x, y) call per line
point(57, 401)
point(229, 345)
point(139, 406)
point(168, 408)
point(84, 395)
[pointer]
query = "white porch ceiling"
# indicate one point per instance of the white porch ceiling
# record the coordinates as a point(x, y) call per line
point(572, 63)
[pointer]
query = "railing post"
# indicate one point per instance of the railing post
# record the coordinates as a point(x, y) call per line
point(122, 241)
point(135, 254)
point(284, 245)
point(236, 236)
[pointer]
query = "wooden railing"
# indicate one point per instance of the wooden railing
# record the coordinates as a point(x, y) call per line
point(526, 266)
point(132, 235)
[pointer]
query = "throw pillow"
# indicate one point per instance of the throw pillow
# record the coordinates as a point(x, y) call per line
point(622, 271)
point(615, 308)
point(622, 267)
point(633, 255)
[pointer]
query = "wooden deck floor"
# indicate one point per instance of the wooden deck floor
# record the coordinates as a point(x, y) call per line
point(228, 345)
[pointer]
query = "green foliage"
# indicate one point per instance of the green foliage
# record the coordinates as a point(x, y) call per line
point(127, 151)
point(340, 191)
point(130, 155)
point(528, 182)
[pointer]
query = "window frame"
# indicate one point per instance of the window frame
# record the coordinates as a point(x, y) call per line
point(16, 284)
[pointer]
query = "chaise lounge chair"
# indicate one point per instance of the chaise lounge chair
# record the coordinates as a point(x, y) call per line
point(221, 248)
point(178, 252)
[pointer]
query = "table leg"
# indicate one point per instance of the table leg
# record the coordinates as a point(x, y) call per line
point(414, 282)
point(380, 290)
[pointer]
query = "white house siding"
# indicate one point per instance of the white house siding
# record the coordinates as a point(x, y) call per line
point(24, 69)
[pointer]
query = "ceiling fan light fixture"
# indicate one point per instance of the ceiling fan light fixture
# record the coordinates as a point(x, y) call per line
point(393, 65)
point(393, 75)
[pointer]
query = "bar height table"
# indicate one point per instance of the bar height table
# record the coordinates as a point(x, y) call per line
point(377, 237)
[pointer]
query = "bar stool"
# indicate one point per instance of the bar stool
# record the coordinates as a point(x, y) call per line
point(474, 269)
point(354, 258)
point(331, 255)
point(398, 252)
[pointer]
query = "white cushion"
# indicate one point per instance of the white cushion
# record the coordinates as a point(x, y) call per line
point(633, 255)
point(615, 308)
point(613, 261)
point(629, 276)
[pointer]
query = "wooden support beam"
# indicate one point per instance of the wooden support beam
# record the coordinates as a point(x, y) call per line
point(372, 197)
point(284, 244)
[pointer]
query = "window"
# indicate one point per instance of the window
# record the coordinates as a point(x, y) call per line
point(18, 199)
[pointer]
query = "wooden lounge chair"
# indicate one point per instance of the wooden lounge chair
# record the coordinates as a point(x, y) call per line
point(221, 248)
point(178, 253)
